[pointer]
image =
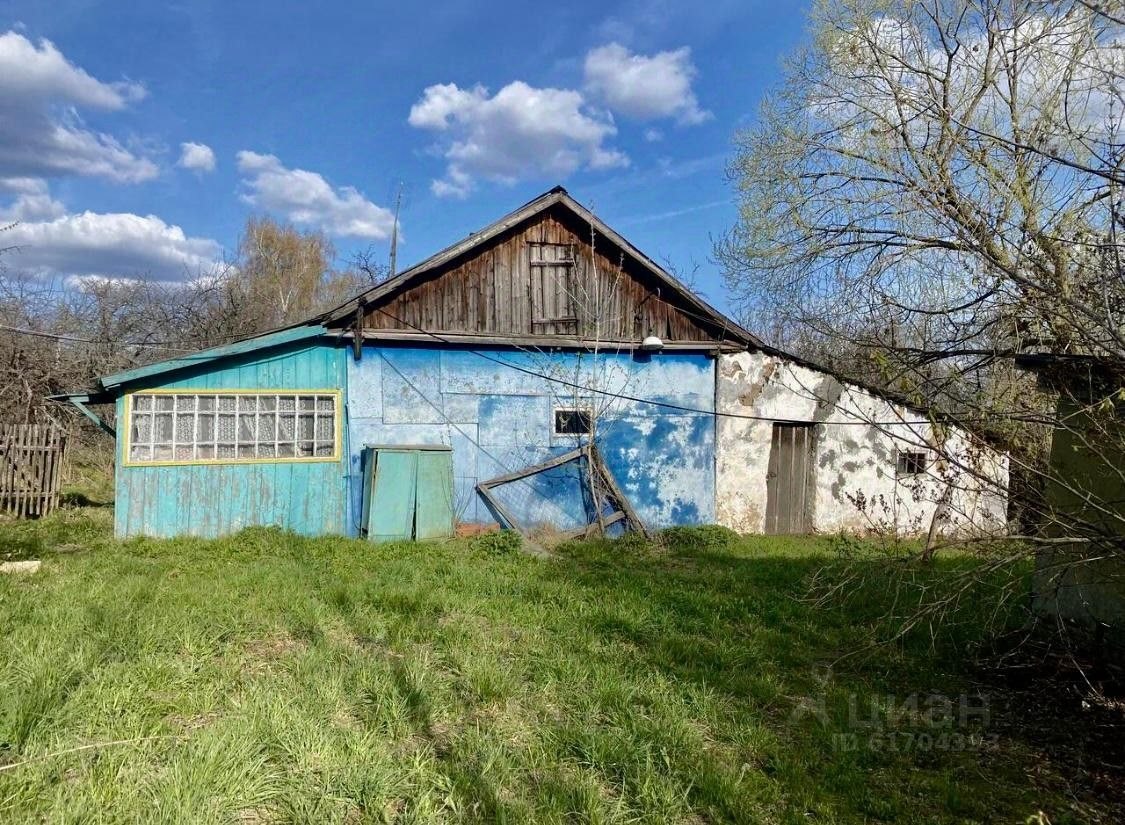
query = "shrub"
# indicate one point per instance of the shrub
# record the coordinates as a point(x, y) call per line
point(632, 542)
point(701, 538)
point(502, 543)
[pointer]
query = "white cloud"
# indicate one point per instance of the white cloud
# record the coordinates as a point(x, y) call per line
point(33, 201)
point(520, 132)
point(644, 87)
point(306, 198)
point(114, 245)
point(41, 133)
point(36, 73)
point(199, 157)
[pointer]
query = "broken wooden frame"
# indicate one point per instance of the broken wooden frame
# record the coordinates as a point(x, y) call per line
point(623, 510)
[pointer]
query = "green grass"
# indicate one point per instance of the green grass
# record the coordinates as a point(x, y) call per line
point(269, 678)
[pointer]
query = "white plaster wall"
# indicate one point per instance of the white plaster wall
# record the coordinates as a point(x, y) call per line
point(857, 441)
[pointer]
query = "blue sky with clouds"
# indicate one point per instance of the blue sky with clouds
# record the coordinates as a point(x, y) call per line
point(137, 137)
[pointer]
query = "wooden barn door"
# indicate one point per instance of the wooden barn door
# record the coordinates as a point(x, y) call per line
point(789, 480)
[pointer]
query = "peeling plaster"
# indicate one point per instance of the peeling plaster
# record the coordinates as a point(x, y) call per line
point(857, 488)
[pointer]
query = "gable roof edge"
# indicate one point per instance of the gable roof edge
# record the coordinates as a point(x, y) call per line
point(557, 195)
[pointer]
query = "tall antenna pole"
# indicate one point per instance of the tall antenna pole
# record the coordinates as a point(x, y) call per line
point(394, 231)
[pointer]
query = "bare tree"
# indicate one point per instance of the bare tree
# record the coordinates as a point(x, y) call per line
point(935, 191)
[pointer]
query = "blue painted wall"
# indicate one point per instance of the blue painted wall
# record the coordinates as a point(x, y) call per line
point(498, 419)
point(214, 499)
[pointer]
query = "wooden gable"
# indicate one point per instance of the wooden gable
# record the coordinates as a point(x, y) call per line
point(548, 270)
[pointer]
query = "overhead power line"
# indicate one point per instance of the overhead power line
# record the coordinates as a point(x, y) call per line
point(165, 345)
point(635, 399)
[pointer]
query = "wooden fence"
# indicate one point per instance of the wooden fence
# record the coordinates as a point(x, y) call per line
point(31, 463)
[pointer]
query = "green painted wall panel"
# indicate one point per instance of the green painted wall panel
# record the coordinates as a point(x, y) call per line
point(392, 502)
point(433, 512)
point(216, 499)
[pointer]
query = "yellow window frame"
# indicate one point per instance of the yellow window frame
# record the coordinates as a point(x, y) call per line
point(338, 441)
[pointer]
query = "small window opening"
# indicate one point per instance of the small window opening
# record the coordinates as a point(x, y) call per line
point(574, 421)
point(911, 463)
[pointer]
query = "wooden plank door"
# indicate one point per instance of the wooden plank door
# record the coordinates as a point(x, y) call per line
point(789, 493)
point(433, 509)
point(391, 516)
point(552, 289)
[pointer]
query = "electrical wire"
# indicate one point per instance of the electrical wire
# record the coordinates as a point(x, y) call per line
point(56, 336)
point(635, 399)
point(437, 408)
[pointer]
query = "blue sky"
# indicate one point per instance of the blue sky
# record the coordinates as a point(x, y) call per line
point(135, 138)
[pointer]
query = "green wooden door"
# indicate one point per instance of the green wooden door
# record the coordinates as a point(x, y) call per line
point(433, 507)
point(409, 494)
point(392, 495)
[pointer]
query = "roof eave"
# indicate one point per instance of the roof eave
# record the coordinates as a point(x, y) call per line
point(271, 339)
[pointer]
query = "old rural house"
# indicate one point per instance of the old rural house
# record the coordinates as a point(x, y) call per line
point(470, 388)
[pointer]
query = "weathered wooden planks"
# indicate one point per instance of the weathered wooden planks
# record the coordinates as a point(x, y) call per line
point(789, 485)
point(547, 276)
point(31, 457)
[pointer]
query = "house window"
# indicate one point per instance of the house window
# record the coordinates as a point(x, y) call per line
point(224, 427)
point(574, 421)
point(911, 463)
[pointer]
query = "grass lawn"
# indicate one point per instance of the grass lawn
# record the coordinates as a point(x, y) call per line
point(270, 678)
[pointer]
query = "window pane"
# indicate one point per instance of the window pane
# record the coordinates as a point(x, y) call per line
point(163, 426)
point(305, 449)
point(226, 403)
point(326, 403)
point(246, 451)
point(206, 402)
point(205, 452)
point(226, 451)
point(226, 427)
point(206, 426)
point(324, 449)
point(162, 452)
point(287, 403)
point(142, 402)
point(266, 451)
point(185, 428)
point(247, 403)
point(164, 402)
point(305, 426)
point(325, 429)
point(267, 403)
point(267, 427)
point(286, 450)
point(140, 453)
point(308, 402)
point(247, 432)
point(573, 422)
point(285, 427)
point(185, 403)
point(142, 429)
point(183, 452)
